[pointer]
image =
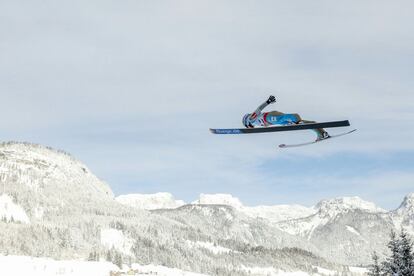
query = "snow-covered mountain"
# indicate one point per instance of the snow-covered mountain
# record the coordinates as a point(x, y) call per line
point(355, 226)
point(332, 207)
point(403, 217)
point(52, 205)
point(273, 213)
point(227, 223)
point(47, 182)
point(150, 201)
point(327, 211)
point(277, 213)
point(344, 228)
point(219, 199)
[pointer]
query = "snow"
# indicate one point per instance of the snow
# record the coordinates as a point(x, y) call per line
point(10, 211)
point(114, 238)
point(358, 270)
point(278, 213)
point(324, 271)
point(273, 213)
point(276, 272)
point(332, 207)
point(352, 230)
point(150, 201)
point(403, 217)
point(326, 211)
point(30, 266)
point(209, 246)
point(303, 227)
point(80, 192)
point(160, 271)
point(35, 165)
point(39, 212)
point(219, 199)
point(406, 208)
point(271, 271)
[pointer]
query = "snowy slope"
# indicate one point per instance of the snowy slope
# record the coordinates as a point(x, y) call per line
point(9, 211)
point(222, 222)
point(159, 270)
point(216, 249)
point(25, 266)
point(278, 213)
point(114, 238)
point(45, 181)
point(150, 201)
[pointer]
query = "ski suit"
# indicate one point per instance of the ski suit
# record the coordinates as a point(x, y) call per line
point(259, 118)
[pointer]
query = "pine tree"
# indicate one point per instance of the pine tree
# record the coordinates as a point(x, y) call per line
point(108, 256)
point(118, 260)
point(392, 264)
point(406, 255)
point(401, 261)
point(375, 269)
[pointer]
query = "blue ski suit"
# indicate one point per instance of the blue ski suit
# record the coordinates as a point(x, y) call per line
point(257, 118)
point(264, 119)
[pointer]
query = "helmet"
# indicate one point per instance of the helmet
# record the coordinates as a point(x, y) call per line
point(246, 121)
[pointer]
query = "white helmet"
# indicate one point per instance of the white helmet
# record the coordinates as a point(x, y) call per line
point(246, 121)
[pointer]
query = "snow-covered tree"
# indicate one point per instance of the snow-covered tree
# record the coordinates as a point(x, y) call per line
point(406, 255)
point(392, 264)
point(118, 259)
point(401, 260)
point(375, 268)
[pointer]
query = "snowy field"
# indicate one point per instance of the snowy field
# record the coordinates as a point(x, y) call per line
point(29, 266)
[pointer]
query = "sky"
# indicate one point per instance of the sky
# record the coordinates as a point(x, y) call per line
point(131, 88)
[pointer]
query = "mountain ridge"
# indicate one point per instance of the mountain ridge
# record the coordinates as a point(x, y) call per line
point(72, 213)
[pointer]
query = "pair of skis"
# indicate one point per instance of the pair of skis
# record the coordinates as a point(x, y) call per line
point(289, 128)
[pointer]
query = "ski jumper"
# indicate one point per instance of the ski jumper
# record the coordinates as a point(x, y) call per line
point(260, 119)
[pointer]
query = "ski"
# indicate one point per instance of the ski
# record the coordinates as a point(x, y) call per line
point(316, 141)
point(280, 128)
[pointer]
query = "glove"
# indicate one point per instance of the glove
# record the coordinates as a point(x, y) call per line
point(271, 99)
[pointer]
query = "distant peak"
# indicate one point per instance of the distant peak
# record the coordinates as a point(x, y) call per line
point(219, 199)
point(408, 203)
point(150, 201)
point(343, 204)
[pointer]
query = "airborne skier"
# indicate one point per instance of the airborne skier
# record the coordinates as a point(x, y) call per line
point(257, 118)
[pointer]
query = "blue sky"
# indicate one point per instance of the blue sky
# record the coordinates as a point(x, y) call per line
point(130, 88)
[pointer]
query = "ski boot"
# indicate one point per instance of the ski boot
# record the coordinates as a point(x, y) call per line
point(323, 135)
